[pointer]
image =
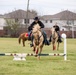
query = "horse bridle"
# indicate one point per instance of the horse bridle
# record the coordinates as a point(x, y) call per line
point(38, 36)
point(34, 32)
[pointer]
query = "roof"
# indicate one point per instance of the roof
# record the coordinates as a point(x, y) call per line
point(20, 14)
point(64, 15)
point(1, 16)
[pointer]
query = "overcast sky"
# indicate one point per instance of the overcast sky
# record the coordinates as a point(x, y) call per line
point(43, 7)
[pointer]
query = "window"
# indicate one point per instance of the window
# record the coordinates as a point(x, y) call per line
point(46, 21)
point(70, 22)
point(26, 21)
point(50, 21)
point(62, 29)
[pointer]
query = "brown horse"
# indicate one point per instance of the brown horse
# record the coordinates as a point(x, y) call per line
point(38, 39)
point(23, 37)
point(54, 38)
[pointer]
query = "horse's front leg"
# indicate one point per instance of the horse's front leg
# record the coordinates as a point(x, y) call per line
point(54, 45)
point(38, 53)
point(34, 49)
point(40, 49)
point(37, 49)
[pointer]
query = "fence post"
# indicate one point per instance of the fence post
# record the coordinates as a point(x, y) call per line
point(65, 49)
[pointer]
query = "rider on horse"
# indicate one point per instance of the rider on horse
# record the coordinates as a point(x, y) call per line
point(57, 29)
point(36, 20)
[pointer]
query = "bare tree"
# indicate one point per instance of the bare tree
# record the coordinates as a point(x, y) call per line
point(12, 26)
point(35, 12)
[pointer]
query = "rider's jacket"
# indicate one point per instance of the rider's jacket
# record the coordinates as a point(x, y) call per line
point(39, 22)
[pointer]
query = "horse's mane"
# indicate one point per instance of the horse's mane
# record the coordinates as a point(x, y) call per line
point(36, 26)
point(52, 29)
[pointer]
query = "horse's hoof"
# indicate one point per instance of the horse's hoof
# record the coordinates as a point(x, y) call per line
point(54, 47)
point(35, 55)
point(38, 58)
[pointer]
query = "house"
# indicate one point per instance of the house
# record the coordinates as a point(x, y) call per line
point(2, 23)
point(17, 16)
point(65, 19)
point(21, 15)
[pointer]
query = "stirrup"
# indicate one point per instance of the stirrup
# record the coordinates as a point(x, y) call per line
point(47, 42)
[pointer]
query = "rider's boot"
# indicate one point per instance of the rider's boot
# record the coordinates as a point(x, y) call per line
point(31, 45)
point(45, 39)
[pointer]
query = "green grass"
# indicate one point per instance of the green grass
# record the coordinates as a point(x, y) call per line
point(49, 65)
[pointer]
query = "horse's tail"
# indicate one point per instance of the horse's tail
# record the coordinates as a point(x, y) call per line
point(19, 39)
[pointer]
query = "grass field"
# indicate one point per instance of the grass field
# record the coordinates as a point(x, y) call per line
point(49, 65)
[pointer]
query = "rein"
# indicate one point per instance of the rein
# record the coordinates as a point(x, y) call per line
point(34, 32)
point(39, 36)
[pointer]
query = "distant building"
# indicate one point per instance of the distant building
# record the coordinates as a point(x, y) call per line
point(21, 15)
point(65, 19)
point(17, 16)
point(2, 22)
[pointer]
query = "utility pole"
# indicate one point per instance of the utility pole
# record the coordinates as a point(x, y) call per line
point(72, 26)
point(27, 14)
point(73, 30)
